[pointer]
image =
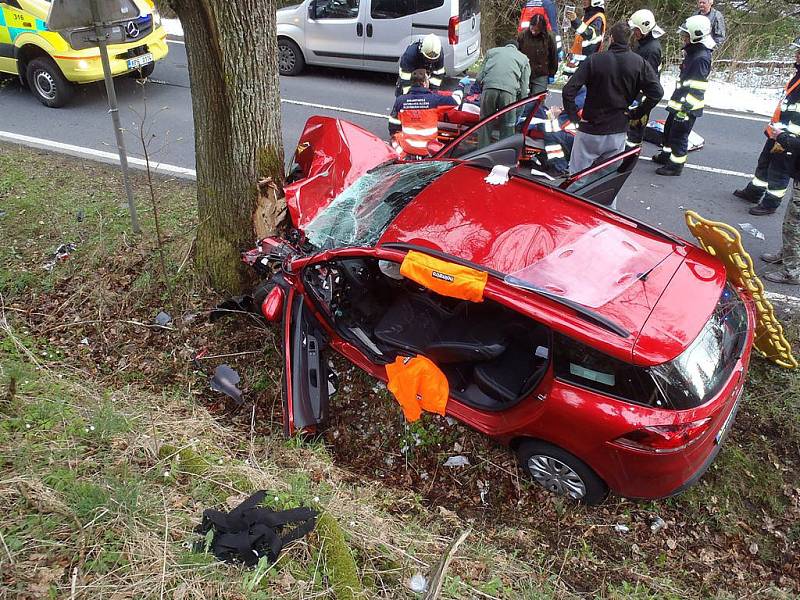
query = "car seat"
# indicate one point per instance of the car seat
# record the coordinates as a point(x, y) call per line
point(512, 374)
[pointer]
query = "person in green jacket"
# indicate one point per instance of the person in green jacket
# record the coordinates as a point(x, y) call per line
point(504, 79)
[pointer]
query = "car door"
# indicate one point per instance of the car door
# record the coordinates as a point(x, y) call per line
point(499, 138)
point(334, 33)
point(306, 376)
point(602, 182)
point(12, 21)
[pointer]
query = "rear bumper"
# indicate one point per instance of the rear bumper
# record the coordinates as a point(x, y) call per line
point(459, 61)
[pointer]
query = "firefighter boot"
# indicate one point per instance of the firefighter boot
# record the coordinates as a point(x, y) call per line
point(745, 195)
point(670, 170)
point(772, 258)
point(662, 158)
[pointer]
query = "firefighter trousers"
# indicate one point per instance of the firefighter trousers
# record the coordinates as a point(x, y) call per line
point(773, 172)
point(676, 138)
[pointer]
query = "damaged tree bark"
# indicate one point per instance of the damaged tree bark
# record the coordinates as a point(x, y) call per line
point(231, 46)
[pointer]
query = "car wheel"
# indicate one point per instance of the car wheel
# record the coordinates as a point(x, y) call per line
point(290, 58)
point(560, 472)
point(47, 83)
point(143, 72)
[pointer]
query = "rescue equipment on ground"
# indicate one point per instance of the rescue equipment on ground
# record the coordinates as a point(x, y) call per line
point(418, 384)
point(443, 277)
point(724, 242)
point(654, 133)
point(251, 531)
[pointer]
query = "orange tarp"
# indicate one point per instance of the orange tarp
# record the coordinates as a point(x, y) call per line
point(418, 385)
point(445, 278)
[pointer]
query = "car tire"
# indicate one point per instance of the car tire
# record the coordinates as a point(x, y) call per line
point(47, 83)
point(561, 473)
point(290, 58)
point(143, 72)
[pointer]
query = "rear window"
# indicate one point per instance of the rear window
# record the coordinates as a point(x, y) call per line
point(468, 8)
point(394, 9)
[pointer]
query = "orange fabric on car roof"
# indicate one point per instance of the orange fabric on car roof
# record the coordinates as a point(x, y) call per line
point(418, 385)
point(445, 278)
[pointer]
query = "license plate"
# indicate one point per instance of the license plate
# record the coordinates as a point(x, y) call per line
point(140, 61)
point(472, 49)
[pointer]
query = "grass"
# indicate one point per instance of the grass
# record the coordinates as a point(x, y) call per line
point(111, 449)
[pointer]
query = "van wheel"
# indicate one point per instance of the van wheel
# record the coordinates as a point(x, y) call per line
point(143, 72)
point(47, 83)
point(290, 58)
point(560, 472)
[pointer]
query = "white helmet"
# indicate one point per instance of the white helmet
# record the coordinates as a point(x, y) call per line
point(431, 46)
point(599, 3)
point(645, 21)
point(698, 28)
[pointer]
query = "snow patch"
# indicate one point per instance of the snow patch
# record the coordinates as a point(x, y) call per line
point(738, 96)
point(172, 27)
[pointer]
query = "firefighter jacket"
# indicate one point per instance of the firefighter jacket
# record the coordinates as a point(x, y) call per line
point(414, 59)
point(689, 96)
point(588, 37)
point(613, 80)
point(649, 48)
point(546, 8)
point(787, 114)
point(418, 98)
point(506, 68)
point(541, 52)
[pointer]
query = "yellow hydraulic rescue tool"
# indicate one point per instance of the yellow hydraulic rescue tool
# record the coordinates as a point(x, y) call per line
point(724, 242)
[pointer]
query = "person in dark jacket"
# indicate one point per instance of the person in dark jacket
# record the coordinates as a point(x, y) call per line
point(788, 257)
point(613, 80)
point(776, 162)
point(688, 100)
point(425, 54)
point(706, 8)
point(589, 33)
point(646, 36)
point(548, 10)
point(539, 45)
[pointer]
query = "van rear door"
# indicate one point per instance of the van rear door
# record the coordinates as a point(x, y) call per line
point(334, 33)
point(465, 35)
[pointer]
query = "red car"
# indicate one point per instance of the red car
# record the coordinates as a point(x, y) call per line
point(609, 355)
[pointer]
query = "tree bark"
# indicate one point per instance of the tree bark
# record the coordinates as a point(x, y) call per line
point(231, 46)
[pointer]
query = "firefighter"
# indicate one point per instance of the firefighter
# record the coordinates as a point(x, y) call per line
point(414, 119)
point(588, 33)
point(776, 163)
point(423, 54)
point(788, 257)
point(688, 99)
point(646, 34)
point(547, 9)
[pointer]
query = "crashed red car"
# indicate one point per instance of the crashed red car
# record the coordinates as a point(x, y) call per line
point(607, 354)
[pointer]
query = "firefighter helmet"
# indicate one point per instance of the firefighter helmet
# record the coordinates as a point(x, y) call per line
point(795, 45)
point(431, 46)
point(645, 21)
point(598, 3)
point(698, 28)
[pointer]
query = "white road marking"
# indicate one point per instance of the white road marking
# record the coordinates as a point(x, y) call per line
point(709, 169)
point(169, 41)
point(94, 154)
point(335, 108)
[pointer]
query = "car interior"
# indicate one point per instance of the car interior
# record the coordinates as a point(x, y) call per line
point(492, 356)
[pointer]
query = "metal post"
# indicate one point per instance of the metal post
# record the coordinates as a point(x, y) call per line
point(114, 110)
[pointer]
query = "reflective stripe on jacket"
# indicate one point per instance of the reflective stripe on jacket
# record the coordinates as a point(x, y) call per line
point(588, 37)
point(690, 91)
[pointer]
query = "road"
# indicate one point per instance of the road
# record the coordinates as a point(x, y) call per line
point(732, 141)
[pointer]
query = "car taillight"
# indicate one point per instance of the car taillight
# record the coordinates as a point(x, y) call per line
point(272, 306)
point(663, 439)
point(452, 31)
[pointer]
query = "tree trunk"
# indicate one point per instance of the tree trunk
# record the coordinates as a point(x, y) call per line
point(231, 47)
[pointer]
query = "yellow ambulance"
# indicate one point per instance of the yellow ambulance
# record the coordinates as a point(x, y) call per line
point(51, 62)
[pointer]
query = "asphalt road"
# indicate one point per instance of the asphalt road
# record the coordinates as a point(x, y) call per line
point(732, 141)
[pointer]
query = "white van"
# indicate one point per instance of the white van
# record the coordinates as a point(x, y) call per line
point(373, 34)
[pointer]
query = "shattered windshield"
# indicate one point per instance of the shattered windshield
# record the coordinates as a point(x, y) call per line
point(360, 214)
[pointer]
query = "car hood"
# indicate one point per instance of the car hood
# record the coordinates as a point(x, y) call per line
point(331, 154)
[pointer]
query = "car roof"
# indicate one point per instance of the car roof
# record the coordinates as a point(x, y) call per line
point(521, 228)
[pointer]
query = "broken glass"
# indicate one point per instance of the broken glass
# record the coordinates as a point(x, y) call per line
point(359, 215)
